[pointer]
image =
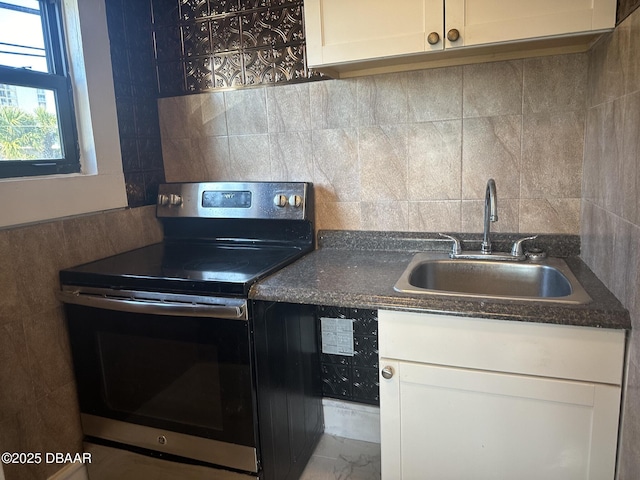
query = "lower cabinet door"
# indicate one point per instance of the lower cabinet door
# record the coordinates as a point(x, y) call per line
point(449, 423)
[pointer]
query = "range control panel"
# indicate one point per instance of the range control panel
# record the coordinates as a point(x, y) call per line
point(255, 200)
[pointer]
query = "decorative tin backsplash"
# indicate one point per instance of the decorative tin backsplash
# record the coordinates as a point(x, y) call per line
point(134, 78)
point(202, 45)
point(353, 378)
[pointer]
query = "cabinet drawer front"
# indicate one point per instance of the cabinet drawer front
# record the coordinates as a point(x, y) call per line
point(558, 351)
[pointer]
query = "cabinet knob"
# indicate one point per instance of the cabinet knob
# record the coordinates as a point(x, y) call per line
point(433, 38)
point(387, 372)
point(453, 35)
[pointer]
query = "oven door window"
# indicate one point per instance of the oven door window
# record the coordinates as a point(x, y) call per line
point(186, 374)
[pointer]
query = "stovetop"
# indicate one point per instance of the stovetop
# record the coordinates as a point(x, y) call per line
point(220, 238)
point(186, 267)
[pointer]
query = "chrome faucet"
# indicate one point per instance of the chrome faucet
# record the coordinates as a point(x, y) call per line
point(485, 253)
point(490, 214)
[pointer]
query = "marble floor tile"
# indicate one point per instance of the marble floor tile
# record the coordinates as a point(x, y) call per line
point(338, 458)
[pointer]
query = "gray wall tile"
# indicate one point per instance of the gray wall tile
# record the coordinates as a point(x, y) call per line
point(246, 111)
point(436, 216)
point(385, 216)
point(49, 351)
point(182, 162)
point(610, 227)
point(550, 215)
point(38, 402)
point(382, 99)
point(193, 115)
point(552, 155)
point(9, 300)
point(21, 432)
point(555, 84)
point(383, 163)
point(631, 65)
point(17, 386)
point(434, 151)
point(434, 94)
point(213, 154)
point(606, 60)
point(338, 215)
point(491, 89)
point(630, 159)
point(491, 149)
point(212, 110)
point(336, 165)
point(249, 158)
point(593, 148)
point(291, 156)
point(288, 108)
point(334, 104)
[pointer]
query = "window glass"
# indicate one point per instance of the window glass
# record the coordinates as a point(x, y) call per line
point(37, 121)
point(28, 124)
point(21, 36)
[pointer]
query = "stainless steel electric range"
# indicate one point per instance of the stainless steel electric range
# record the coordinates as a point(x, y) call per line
point(179, 374)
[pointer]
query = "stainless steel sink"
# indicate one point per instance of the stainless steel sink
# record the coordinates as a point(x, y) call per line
point(548, 280)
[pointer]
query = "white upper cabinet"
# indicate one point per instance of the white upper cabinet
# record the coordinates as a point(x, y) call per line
point(346, 31)
point(340, 31)
point(494, 21)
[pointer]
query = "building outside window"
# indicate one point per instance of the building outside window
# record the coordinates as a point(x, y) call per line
point(8, 96)
point(37, 126)
point(42, 98)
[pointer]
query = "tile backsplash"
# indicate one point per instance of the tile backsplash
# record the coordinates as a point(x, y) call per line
point(610, 227)
point(406, 151)
point(38, 403)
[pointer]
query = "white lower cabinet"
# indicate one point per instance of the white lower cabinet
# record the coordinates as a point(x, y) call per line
point(484, 399)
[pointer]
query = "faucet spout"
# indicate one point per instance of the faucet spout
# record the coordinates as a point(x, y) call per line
point(490, 214)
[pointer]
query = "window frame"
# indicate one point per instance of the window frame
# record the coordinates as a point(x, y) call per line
point(100, 186)
point(57, 80)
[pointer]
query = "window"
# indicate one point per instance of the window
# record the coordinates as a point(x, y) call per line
point(37, 126)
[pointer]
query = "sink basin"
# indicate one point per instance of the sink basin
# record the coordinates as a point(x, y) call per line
point(548, 280)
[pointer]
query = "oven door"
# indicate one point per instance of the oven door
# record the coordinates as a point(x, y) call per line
point(166, 376)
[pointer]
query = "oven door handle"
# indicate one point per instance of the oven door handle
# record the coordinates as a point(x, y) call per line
point(235, 311)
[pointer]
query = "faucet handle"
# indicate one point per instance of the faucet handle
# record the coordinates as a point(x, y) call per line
point(457, 246)
point(516, 250)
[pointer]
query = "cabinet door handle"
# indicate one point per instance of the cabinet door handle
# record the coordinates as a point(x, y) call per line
point(453, 35)
point(433, 38)
point(387, 372)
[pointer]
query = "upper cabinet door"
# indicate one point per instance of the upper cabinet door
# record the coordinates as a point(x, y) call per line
point(482, 22)
point(340, 31)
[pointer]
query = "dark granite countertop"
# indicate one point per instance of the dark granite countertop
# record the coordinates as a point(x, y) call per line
point(359, 270)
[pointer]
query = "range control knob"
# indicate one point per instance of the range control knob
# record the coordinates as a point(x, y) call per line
point(280, 201)
point(295, 201)
point(175, 199)
point(171, 199)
